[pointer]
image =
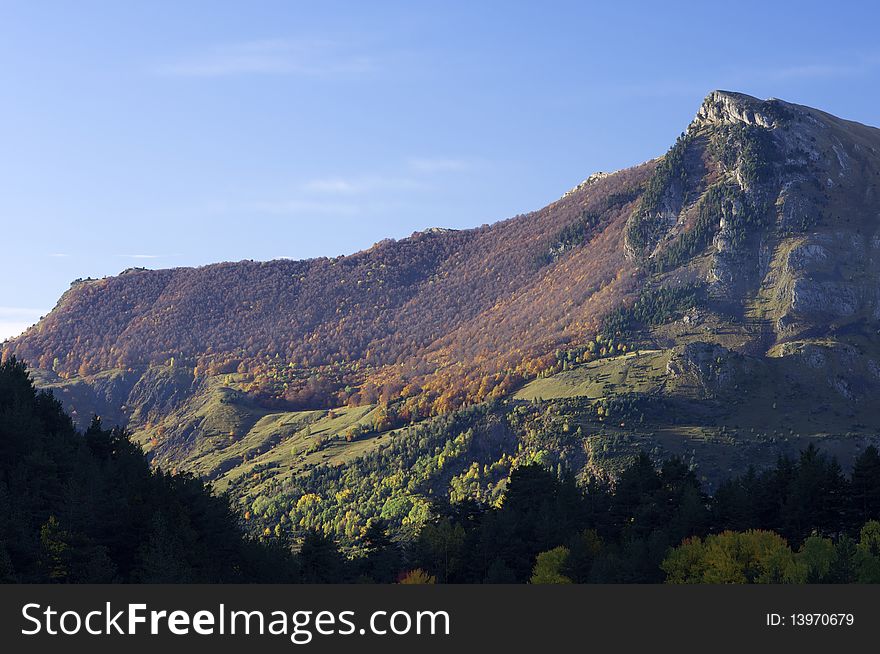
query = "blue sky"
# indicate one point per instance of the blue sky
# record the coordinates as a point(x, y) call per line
point(165, 134)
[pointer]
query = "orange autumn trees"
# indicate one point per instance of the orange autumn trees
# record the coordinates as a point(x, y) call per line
point(440, 319)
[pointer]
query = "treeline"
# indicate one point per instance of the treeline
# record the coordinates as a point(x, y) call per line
point(801, 521)
point(78, 508)
point(587, 226)
point(815, 525)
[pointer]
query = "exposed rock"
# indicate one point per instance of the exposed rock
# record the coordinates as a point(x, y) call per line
point(595, 177)
point(725, 107)
point(721, 275)
point(823, 299)
point(710, 365)
point(815, 357)
point(806, 257)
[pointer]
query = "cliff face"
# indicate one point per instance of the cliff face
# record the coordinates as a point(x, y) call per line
point(786, 199)
point(722, 108)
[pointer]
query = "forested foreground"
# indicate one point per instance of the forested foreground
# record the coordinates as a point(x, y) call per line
point(87, 508)
point(801, 521)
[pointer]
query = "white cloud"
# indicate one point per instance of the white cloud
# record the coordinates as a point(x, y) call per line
point(332, 185)
point(142, 256)
point(271, 57)
point(362, 184)
point(365, 194)
point(439, 165)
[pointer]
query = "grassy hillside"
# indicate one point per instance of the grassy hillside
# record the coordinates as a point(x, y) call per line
point(636, 372)
point(718, 411)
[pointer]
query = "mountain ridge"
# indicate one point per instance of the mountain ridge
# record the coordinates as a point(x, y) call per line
point(448, 260)
point(720, 303)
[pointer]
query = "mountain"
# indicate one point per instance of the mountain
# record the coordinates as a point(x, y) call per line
point(720, 304)
point(398, 312)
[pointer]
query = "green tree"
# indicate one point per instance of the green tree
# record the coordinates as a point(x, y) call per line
point(7, 571)
point(843, 569)
point(584, 549)
point(550, 566)
point(817, 556)
point(867, 556)
point(499, 573)
point(730, 557)
point(56, 550)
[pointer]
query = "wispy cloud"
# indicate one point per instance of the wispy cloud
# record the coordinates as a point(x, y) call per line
point(14, 320)
point(330, 210)
point(834, 68)
point(58, 255)
point(439, 165)
point(360, 184)
point(311, 57)
point(344, 196)
point(413, 175)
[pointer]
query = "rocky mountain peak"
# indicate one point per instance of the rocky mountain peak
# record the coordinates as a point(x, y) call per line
point(772, 206)
point(729, 108)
